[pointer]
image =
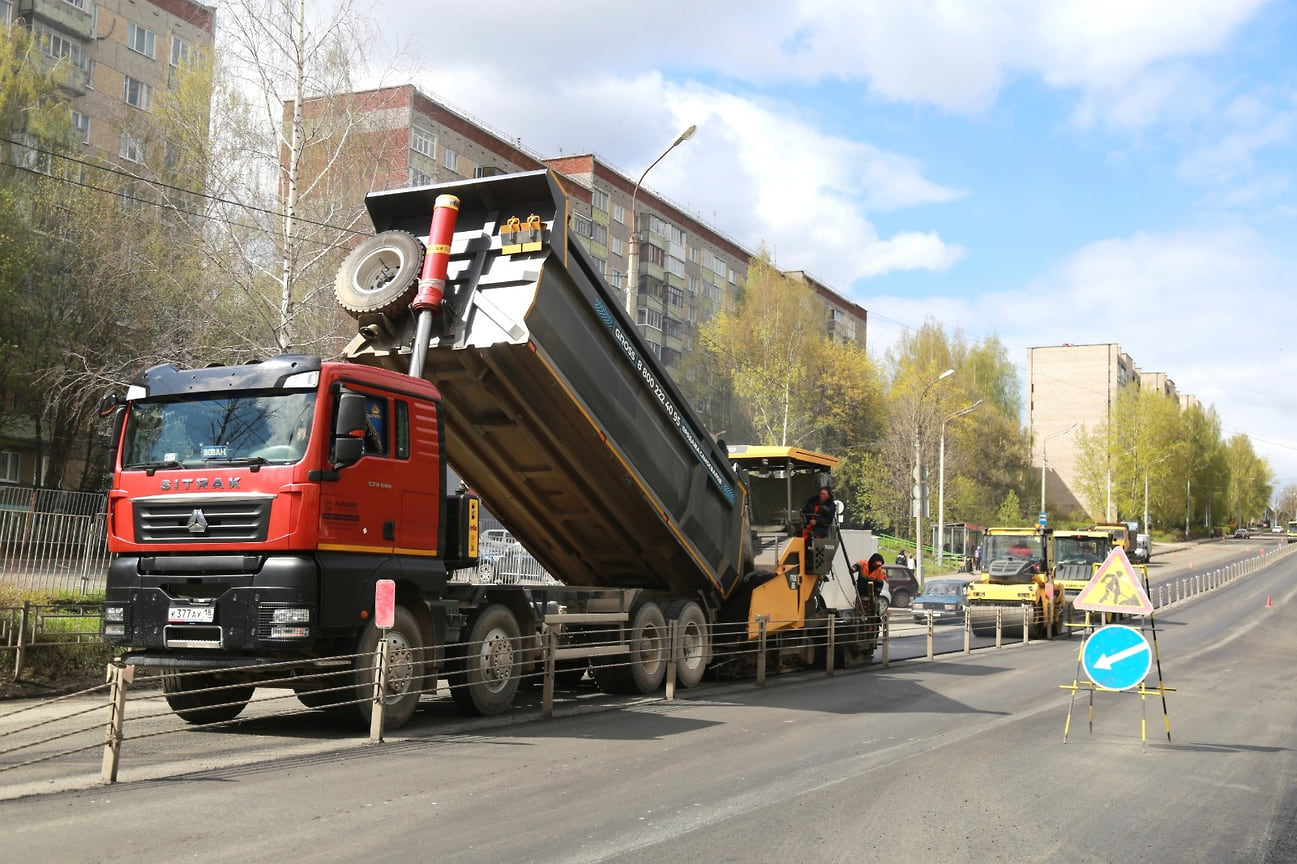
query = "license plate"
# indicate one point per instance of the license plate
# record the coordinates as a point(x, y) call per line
point(191, 615)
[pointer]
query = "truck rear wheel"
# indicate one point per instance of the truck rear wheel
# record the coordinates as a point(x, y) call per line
point(485, 676)
point(213, 707)
point(405, 664)
point(645, 668)
point(381, 275)
point(695, 642)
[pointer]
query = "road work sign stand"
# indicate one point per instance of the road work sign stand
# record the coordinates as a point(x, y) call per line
point(1116, 658)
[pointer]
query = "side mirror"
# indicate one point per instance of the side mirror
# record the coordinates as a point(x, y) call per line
point(351, 415)
point(348, 446)
point(109, 403)
point(347, 451)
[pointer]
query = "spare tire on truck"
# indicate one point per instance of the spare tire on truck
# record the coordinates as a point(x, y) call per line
point(381, 275)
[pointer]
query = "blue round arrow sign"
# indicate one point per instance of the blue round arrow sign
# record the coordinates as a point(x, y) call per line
point(1116, 657)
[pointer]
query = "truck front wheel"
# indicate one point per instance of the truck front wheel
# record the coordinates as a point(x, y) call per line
point(405, 665)
point(214, 706)
point(485, 674)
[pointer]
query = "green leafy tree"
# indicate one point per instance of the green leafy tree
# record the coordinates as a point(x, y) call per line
point(1010, 512)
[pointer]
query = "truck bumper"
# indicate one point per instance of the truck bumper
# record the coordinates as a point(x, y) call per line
point(251, 606)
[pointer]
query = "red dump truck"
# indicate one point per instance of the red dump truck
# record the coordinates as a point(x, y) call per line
point(254, 508)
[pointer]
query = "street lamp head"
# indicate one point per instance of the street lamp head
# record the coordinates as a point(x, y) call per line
point(946, 374)
point(687, 134)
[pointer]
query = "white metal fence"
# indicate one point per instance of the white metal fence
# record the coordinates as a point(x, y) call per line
point(52, 540)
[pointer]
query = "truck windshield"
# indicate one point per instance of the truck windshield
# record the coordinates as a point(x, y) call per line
point(256, 429)
point(1079, 550)
point(1020, 548)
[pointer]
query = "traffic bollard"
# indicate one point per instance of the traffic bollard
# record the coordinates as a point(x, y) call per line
point(551, 659)
point(119, 677)
point(999, 626)
point(380, 689)
point(930, 635)
point(761, 651)
point(832, 648)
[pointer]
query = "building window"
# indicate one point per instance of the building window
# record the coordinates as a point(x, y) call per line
point(599, 200)
point(599, 232)
point(600, 265)
point(655, 255)
point(693, 285)
point(676, 265)
point(6, 11)
point(487, 171)
point(693, 254)
point(132, 149)
point(617, 279)
point(141, 40)
point(10, 466)
point(58, 45)
point(658, 226)
point(182, 53)
point(677, 236)
point(80, 4)
point(136, 93)
point(618, 246)
point(619, 214)
point(675, 296)
point(81, 123)
point(423, 142)
point(582, 225)
point(449, 159)
point(418, 178)
point(650, 318)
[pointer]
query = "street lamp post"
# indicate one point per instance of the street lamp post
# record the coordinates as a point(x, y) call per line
point(632, 256)
point(918, 476)
point(941, 481)
point(1044, 459)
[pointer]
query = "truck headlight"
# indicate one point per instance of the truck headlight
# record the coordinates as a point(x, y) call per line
point(114, 613)
point(290, 616)
point(114, 629)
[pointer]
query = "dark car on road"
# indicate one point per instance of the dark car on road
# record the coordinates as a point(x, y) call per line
point(944, 598)
point(901, 581)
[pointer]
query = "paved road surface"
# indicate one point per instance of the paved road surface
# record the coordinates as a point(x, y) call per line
point(957, 760)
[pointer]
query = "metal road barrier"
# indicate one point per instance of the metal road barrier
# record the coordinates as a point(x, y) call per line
point(36, 626)
point(560, 661)
point(53, 540)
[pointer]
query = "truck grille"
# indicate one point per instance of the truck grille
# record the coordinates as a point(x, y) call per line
point(206, 520)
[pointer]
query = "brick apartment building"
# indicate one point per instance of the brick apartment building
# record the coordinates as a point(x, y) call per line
point(687, 268)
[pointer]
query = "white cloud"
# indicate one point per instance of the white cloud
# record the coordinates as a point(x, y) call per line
point(755, 169)
point(956, 56)
point(1206, 306)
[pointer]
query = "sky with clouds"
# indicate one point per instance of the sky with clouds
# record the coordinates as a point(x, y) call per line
point(1064, 171)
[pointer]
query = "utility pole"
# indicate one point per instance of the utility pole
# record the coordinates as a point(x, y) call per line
point(919, 496)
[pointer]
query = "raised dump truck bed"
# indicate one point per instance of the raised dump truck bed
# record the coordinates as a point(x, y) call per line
point(557, 413)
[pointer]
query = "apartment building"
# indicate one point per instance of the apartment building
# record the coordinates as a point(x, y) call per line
point(120, 55)
point(686, 269)
point(1078, 384)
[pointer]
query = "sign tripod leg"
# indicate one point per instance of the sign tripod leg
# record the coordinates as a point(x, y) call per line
point(1157, 657)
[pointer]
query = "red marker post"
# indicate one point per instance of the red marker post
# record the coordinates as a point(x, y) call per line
point(384, 619)
point(385, 604)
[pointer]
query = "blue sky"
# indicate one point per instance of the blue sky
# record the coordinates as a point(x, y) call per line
point(1062, 171)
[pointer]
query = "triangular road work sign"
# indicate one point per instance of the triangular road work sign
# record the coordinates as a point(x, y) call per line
point(1114, 588)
